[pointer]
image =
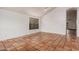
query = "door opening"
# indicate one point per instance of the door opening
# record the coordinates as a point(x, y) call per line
point(71, 23)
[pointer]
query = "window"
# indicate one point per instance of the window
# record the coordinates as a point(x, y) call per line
point(33, 23)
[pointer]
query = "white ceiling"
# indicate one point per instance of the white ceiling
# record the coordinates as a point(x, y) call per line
point(31, 11)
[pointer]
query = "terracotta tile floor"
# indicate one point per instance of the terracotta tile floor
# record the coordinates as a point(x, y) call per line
point(40, 42)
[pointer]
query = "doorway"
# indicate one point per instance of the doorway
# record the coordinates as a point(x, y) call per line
point(71, 23)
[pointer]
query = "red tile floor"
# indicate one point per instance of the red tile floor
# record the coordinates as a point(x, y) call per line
point(40, 42)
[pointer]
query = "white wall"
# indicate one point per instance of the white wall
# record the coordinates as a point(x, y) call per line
point(14, 24)
point(55, 21)
point(78, 22)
